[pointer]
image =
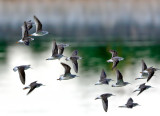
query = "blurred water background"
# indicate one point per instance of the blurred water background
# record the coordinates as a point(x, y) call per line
point(93, 27)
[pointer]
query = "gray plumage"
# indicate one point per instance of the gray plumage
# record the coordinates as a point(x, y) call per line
point(74, 59)
point(142, 88)
point(143, 74)
point(55, 53)
point(120, 81)
point(104, 98)
point(39, 30)
point(25, 35)
point(32, 86)
point(29, 25)
point(103, 79)
point(21, 72)
point(130, 104)
point(115, 58)
point(67, 74)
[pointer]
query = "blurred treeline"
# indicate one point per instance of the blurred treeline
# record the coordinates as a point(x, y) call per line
point(87, 20)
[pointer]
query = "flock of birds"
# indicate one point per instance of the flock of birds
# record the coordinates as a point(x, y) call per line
point(57, 53)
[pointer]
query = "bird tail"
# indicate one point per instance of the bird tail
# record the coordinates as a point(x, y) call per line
point(122, 106)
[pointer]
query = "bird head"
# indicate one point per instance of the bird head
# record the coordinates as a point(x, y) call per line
point(26, 88)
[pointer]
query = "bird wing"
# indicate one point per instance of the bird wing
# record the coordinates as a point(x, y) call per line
point(119, 76)
point(24, 30)
point(21, 74)
point(66, 67)
point(75, 64)
point(38, 24)
point(33, 83)
point(113, 52)
point(55, 49)
point(151, 73)
point(115, 62)
point(105, 104)
point(29, 25)
point(141, 90)
point(130, 101)
point(103, 75)
point(75, 53)
point(142, 86)
point(31, 89)
point(144, 66)
point(61, 49)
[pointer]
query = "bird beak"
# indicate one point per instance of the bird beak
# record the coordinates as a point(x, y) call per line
point(25, 88)
point(59, 79)
point(30, 35)
point(140, 72)
point(17, 42)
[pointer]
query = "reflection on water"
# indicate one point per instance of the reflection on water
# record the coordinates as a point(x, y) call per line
point(76, 96)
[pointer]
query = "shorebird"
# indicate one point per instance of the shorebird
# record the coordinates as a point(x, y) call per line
point(104, 98)
point(32, 86)
point(21, 71)
point(150, 71)
point(103, 79)
point(115, 58)
point(67, 74)
point(129, 104)
point(55, 54)
point(39, 31)
point(25, 36)
point(120, 81)
point(143, 75)
point(141, 88)
point(74, 59)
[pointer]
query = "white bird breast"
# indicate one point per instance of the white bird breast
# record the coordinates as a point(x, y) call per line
point(110, 60)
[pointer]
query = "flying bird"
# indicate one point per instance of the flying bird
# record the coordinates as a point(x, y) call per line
point(21, 72)
point(103, 79)
point(25, 35)
point(120, 81)
point(115, 58)
point(74, 59)
point(57, 53)
point(143, 75)
point(142, 88)
point(32, 86)
point(67, 74)
point(150, 71)
point(104, 98)
point(39, 31)
point(129, 104)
